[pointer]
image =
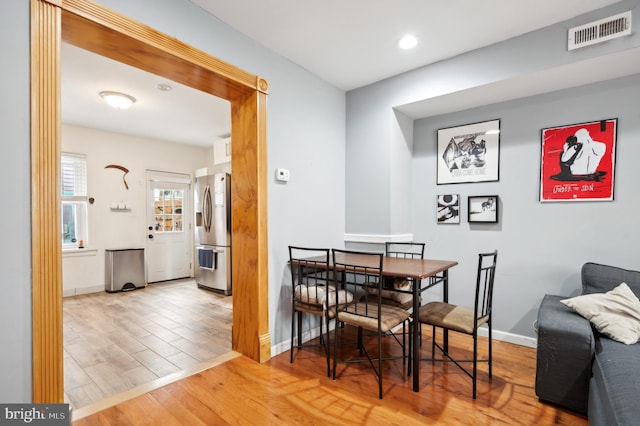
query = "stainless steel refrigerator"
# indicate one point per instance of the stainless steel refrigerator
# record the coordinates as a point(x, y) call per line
point(212, 202)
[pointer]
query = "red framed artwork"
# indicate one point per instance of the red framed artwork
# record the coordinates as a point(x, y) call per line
point(578, 162)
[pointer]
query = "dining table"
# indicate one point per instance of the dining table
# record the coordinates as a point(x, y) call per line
point(423, 274)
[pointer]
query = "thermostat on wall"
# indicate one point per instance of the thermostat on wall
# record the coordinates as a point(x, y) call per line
point(282, 175)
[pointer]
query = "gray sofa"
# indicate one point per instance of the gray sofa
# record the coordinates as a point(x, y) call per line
point(581, 369)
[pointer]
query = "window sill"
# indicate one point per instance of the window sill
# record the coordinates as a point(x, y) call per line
point(79, 252)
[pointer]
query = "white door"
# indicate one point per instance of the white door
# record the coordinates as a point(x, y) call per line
point(168, 232)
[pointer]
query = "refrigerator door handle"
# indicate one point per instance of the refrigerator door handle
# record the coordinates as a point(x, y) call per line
point(206, 208)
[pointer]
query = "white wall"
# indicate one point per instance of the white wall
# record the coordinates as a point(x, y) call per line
point(83, 269)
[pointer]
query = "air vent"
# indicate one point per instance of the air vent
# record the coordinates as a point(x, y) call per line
point(599, 31)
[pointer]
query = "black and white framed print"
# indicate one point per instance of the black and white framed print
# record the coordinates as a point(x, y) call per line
point(469, 153)
point(483, 209)
point(448, 210)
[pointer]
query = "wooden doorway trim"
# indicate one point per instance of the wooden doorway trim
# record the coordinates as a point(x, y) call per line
point(108, 33)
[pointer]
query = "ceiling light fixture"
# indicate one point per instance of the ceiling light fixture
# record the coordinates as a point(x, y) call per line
point(408, 42)
point(117, 100)
point(163, 87)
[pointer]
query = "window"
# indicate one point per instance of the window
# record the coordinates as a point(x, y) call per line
point(168, 209)
point(73, 176)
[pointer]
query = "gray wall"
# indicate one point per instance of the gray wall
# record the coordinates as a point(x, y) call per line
point(15, 226)
point(542, 246)
point(373, 127)
point(539, 251)
point(305, 134)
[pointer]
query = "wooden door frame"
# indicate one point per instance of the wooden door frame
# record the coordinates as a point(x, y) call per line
point(103, 31)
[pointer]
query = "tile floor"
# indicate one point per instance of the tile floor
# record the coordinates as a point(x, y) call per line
point(114, 342)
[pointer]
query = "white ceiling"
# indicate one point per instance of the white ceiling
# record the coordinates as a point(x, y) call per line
point(182, 115)
point(347, 43)
point(352, 43)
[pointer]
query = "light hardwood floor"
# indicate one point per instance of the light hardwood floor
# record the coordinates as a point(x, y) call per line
point(116, 342)
point(243, 392)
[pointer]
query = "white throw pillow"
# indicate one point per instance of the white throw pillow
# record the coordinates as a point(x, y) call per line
point(615, 313)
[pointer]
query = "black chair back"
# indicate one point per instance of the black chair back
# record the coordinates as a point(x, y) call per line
point(484, 285)
point(359, 273)
point(310, 274)
point(406, 250)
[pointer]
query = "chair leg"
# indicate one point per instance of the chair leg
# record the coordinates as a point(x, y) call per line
point(475, 362)
point(380, 364)
point(404, 334)
point(433, 344)
point(490, 351)
point(293, 322)
point(299, 345)
point(410, 348)
point(335, 350)
point(327, 345)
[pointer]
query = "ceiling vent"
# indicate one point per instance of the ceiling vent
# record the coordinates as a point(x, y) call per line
point(599, 31)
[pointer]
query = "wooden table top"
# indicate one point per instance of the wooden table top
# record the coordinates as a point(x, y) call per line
point(397, 266)
point(414, 268)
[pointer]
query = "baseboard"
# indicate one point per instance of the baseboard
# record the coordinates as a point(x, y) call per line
point(516, 339)
point(82, 290)
point(501, 336)
point(286, 345)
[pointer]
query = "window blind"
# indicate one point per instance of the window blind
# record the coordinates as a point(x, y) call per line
point(73, 176)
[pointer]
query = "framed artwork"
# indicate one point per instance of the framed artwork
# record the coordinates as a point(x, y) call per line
point(483, 209)
point(469, 153)
point(448, 210)
point(578, 162)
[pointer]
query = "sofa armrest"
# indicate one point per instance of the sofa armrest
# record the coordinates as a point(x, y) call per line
point(565, 354)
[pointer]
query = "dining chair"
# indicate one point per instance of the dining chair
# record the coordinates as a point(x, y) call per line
point(313, 292)
point(466, 320)
point(356, 271)
point(397, 291)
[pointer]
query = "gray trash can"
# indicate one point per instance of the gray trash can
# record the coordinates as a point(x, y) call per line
point(124, 269)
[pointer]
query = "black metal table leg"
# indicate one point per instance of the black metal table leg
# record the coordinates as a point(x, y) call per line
point(416, 284)
point(445, 298)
